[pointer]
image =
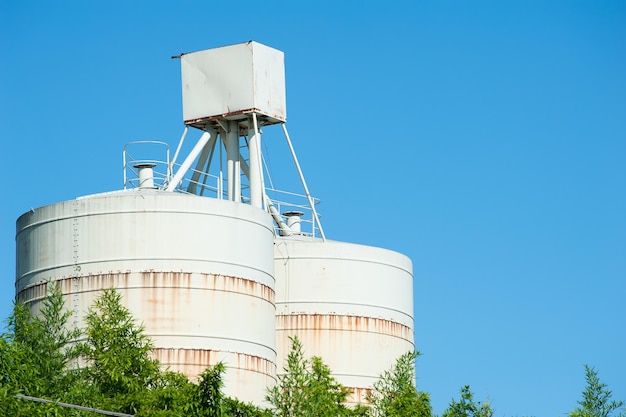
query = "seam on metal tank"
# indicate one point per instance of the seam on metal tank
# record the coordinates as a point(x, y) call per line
point(212, 282)
point(141, 211)
point(35, 292)
point(358, 395)
point(292, 332)
point(209, 357)
point(331, 322)
point(192, 336)
point(350, 259)
point(303, 312)
point(27, 275)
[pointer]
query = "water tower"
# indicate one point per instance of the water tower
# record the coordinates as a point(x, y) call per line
point(217, 264)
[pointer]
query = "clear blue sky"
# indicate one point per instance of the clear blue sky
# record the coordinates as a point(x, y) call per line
point(486, 140)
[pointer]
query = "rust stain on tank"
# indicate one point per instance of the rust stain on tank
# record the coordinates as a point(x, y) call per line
point(151, 280)
point(192, 362)
point(358, 395)
point(33, 293)
point(72, 285)
point(316, 322)
point(161, 299)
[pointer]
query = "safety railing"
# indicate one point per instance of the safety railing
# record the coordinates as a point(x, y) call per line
point(290, 204)
point(294, 208)
point(154, 153)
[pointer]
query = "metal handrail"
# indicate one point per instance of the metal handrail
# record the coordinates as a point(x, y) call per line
point(210, 185)
point(129, 162)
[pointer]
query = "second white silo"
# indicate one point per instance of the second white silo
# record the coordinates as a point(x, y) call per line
point(350, 304)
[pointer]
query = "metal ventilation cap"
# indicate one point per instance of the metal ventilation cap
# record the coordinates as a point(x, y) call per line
point(293, 214)
point(293, 220)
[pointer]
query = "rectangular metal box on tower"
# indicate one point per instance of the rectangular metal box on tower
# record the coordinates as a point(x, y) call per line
point(232, 82)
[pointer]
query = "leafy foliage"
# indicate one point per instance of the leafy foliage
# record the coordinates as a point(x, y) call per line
point(34, 354)
point(307, 389)
point(111, 369)
point(116, 372)
point(117, 354)
point(37, 359)
point(466, 407)
point(596, 400)
point(234, 408)
point(208, 396)
point(395, 394)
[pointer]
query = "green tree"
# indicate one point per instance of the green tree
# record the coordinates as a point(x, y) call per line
point(119, 368)
point(466, 407)
point(235, 408)
point(116, 371)
point(208, 396)
point(307, 388)
point(125, 378)
point(208, 399)
point(34, 355)
point(395, 394)
point(596, 400)
point(172, 395)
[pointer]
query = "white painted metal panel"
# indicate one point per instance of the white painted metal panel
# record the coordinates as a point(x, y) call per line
point(233, 80)
point(198, 273)
point(350, 304)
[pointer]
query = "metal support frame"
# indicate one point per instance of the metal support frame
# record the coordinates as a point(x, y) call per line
point(206, 174)
point(244, 166)
point(233, 169)
point(202, 161)
point(204, 139)
point(180, 145)
point(236, 165)
point(306, 189)
point(256, 172)
point(220, 184)
point(284, 228)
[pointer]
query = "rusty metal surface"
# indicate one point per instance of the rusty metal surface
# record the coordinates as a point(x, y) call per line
point(191, 362)
point(293, 322)
point(263, 119)
point(356, 358)
point(195, 320)
point(151, 279)
point(246, 376)
point(357, 395)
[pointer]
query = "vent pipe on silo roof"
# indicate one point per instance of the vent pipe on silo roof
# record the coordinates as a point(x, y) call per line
point(293, 220)
point(146, 175)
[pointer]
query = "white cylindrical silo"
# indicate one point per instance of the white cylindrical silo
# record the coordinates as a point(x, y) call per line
point(198, 272)
point(350, 304)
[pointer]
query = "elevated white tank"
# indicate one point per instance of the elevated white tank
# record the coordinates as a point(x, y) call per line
point(198, 272)
point(350, 304)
